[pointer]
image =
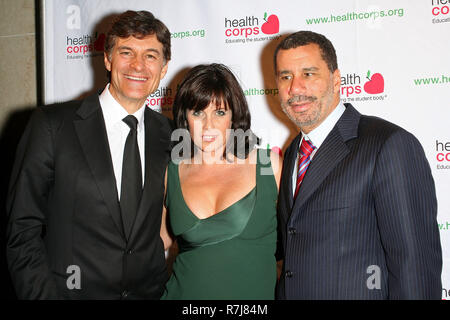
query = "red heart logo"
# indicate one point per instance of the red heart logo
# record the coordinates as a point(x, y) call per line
point(375, 85)
point(272, 25)
point(99, 44)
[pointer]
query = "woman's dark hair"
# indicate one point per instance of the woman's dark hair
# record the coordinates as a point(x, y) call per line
point(215, 83)
point(138, 24)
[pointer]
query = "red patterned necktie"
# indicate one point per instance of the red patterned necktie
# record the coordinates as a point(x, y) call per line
point(303, 161)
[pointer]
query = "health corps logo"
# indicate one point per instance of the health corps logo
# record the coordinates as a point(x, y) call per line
point(251, 26)
point(355, 87)
point(440, 10)
point(443, 154)
point(85, 44)
point(161, 100)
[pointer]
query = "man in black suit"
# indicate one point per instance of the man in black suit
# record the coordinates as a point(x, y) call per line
point(357, 204)
point(86, 193)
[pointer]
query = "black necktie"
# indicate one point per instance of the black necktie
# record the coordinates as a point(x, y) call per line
point(131, 189)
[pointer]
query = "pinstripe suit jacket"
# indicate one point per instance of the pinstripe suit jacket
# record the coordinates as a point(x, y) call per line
point(363, 225)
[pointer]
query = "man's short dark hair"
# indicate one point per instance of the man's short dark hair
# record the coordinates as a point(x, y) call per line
point(215, 83)
point(303, 38)
point(138, 24)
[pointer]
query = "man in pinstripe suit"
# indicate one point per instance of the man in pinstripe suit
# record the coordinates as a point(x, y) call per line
point(357, 204)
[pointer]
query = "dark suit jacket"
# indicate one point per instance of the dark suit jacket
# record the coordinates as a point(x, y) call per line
point(363, 225)
point(63, 209)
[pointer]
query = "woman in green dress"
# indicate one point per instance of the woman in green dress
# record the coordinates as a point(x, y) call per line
point(221, 194)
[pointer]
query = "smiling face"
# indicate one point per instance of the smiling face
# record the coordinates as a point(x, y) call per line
point(308, 91)
point(136, 66)
point(208, 127)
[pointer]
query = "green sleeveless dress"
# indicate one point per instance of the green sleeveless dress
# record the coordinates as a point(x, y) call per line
point(230, 255)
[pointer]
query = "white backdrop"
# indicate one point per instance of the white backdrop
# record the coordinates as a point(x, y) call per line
point(393, 57)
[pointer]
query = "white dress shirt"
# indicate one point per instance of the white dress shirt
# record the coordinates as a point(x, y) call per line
point(117, 132)
point(317, 137)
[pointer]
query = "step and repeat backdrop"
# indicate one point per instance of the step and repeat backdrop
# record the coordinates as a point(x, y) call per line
point(393, 57)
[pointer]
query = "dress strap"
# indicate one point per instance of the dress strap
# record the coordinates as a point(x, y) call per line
point(265, 179)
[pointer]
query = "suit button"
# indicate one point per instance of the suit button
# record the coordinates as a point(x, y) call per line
point(292, 231)
point(130, 251)
point(289, 274)
point(124, 294)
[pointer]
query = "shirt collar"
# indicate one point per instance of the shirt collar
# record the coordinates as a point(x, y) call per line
point(318, 135)
point(114, 113)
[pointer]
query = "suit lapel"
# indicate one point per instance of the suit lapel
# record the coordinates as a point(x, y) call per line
point(156, 149)
point(330, 153)
point(91, 133)
point(288, 169)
